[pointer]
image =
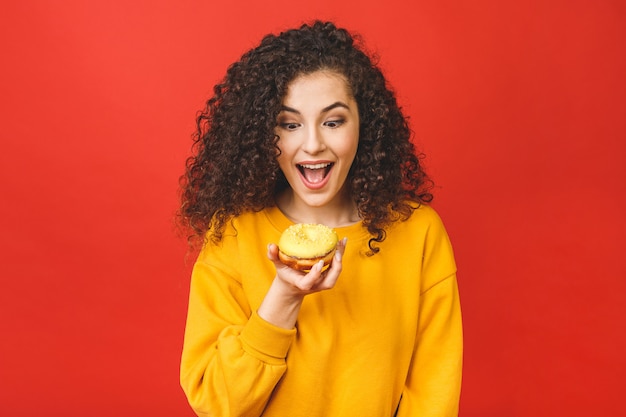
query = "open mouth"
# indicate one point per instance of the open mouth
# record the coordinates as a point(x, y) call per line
point(315, 173)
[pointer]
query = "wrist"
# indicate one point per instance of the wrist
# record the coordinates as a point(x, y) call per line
point(280, 307)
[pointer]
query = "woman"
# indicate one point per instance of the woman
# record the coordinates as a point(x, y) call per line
point(303, 129)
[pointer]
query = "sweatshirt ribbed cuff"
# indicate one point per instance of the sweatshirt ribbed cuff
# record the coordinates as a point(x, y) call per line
point(265, 341)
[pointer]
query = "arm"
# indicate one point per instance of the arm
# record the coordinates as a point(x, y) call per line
point(434, 382)
point(232, 359)
point(433, 385)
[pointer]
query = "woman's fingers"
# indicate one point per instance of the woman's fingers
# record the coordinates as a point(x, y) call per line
point(317, 279)
point(328, 277)
point(331, 275)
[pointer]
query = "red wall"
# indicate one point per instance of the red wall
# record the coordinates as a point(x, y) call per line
point(520, 107)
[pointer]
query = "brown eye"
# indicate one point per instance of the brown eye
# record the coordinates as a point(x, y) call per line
point(290, 126)
point(334, 123)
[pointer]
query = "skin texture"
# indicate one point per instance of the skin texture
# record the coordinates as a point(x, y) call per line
point(319, 125)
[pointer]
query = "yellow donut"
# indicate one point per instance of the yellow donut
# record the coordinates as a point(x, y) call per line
point(302, 245)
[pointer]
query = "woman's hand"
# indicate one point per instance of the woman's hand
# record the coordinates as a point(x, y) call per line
point(284, 298)
point(301, 283)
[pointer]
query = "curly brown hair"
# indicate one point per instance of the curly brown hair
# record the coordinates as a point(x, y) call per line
point(234, 168)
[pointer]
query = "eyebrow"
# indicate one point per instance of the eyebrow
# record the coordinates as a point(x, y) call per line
point(324, 110)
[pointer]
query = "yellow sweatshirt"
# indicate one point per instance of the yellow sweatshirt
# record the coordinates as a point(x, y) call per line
point(387, 337)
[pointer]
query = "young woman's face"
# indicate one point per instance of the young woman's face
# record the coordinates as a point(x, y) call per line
point(318, 129)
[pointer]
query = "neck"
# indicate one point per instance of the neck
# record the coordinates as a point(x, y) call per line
point(338, 213)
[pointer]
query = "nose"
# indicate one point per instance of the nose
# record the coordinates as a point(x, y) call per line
point(314, 141)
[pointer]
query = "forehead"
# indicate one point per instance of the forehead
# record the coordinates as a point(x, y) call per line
point(317, 85)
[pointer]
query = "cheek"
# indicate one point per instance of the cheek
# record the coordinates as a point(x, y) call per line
point(349, 146)
point(282, 156)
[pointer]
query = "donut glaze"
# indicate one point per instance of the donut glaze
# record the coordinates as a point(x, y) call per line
point(302, 245)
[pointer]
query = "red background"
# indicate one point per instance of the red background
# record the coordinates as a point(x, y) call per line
point(519, 106)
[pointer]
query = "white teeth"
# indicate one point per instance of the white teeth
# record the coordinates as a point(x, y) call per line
point(315, 166)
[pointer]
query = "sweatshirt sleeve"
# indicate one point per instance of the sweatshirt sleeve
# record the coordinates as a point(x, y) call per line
point(434, 382)
point(232, 359)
